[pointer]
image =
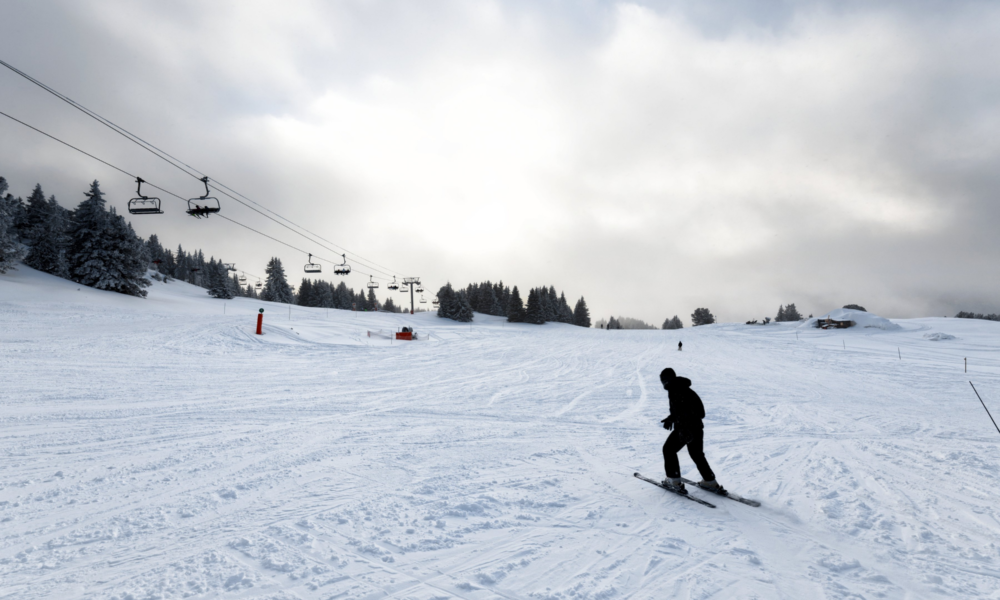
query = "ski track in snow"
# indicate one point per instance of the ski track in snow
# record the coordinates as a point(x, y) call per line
point(158, 449)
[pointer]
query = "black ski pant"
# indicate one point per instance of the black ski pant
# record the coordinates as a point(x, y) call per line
point(694, 439)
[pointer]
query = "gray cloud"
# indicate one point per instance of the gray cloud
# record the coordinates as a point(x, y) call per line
point(652, 157)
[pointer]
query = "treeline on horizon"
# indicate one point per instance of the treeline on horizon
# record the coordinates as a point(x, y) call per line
point(94, 246)
point(544, 304)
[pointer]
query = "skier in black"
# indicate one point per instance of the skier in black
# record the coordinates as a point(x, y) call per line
point(680, 346)
point(686, 413)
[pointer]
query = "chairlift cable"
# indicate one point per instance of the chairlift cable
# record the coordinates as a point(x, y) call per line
point(177, 163)
point(164, 190)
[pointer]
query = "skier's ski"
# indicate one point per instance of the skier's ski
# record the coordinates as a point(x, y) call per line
point(670, 489)
point(724, 493)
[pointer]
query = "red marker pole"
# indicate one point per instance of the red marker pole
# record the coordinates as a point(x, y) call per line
point(260, 321)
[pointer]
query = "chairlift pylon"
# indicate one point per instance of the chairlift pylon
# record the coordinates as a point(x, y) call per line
point(203, 205)
point(312, 267)
point(393, 285)
point(372, 284)
point(143, 205)
point(343, 269)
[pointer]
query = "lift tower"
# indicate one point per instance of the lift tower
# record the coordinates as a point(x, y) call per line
point(411, 282)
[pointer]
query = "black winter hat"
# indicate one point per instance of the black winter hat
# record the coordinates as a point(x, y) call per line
point(667, 374)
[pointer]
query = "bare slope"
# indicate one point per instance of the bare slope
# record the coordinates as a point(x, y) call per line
point(158, 449)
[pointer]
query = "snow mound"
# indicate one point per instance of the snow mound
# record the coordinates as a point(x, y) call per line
point(861, 319)
point(936, 337)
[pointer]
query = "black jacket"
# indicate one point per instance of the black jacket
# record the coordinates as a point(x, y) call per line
point(686, 408)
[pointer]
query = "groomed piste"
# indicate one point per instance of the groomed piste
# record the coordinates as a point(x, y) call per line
point(157, 448)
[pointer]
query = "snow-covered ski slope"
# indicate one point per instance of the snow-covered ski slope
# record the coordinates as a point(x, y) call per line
point(158, 449)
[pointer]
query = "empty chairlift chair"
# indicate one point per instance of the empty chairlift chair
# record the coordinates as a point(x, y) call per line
point(372, 284)
point(342, 269)
point(423, 300)
point(203, 206)
point(312, 267)
point(243, 279)
point(143, 205)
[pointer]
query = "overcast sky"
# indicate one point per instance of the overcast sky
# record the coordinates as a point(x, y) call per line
point(652, 157)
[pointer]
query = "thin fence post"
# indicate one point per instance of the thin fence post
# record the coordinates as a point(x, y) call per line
point(899, 353)
point(984, 406)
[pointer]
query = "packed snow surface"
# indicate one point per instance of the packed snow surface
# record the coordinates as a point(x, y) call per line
point(157, 448)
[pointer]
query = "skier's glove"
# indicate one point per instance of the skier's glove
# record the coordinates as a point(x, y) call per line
point(668, 423)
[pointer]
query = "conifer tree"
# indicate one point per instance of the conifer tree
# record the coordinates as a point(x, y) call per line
point(534, 313)
point(304, 297)
point(218, 277)
point(104, 251)
point(581, 315)
point(515, 307)
point(36, 211)
point(446, 302)
point(11, 249)
point(46, 236)
point(792, 313)
point(371, 302)
point(276, 288)
point(565, 313)
point(181, 270)
point(781, 314)
point(673, 323)
point(702, 316)
point(463, 308)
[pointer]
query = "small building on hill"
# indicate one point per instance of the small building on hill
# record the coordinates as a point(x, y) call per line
point(844, 318)
point(831, 323)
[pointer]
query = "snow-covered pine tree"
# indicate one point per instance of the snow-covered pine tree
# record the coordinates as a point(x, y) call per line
point(11, 249)
point(702, 316)
point(156, 253)
point(781, 314)
point(581, 314)
point(104, 252)
point(36, 213)
point(463, 308)
point(673, 323)
point(792, 313)
point(446, 302)
point(181, 268)
point(276, 288)
point(534, 313)
point(342, 296)
point(46, 235)
point(371, 302)
point(218, 278)
point(304, 297)
point(515, 307)
point(565, 312)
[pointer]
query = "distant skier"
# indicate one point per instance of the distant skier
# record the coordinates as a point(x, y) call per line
point(686, 413)
point(680, 346)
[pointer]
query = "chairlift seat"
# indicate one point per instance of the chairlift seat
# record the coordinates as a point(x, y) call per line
point(144, 206)
point(342, 269)
point(313, 268)
point(202, 207)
